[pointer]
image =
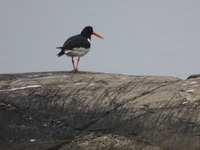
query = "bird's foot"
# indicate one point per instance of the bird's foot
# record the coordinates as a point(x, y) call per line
point(75, 70)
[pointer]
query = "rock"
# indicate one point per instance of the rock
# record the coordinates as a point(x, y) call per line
point(194, 76)
point(60, 110)
point(108, 141)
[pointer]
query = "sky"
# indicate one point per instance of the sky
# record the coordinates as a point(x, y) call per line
point(149, 37)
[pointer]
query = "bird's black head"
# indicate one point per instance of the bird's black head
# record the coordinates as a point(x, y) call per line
point(87, 32)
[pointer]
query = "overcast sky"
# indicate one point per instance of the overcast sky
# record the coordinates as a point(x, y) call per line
point(148, 37)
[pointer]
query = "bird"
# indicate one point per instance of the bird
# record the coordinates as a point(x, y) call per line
point(78, 45)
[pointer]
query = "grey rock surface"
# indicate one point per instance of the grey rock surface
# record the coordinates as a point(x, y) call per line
point(63, 110)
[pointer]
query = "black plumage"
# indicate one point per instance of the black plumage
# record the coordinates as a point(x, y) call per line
point(74, 42)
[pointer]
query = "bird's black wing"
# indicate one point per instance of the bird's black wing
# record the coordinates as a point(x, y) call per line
point(76, 42)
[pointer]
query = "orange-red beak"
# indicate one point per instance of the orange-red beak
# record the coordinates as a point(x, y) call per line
point(97, 35)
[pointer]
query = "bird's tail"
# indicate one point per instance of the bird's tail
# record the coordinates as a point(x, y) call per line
point(59, 47)
point(61, 52)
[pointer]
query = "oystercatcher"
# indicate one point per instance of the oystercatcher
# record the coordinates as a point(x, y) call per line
point(78, 45)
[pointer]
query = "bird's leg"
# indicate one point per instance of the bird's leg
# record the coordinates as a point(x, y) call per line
point(74, 70)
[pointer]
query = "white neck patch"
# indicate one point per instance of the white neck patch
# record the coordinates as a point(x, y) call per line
point(88, 40)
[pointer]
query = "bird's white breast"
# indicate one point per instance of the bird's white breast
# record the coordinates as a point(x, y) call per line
point(77, 52)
